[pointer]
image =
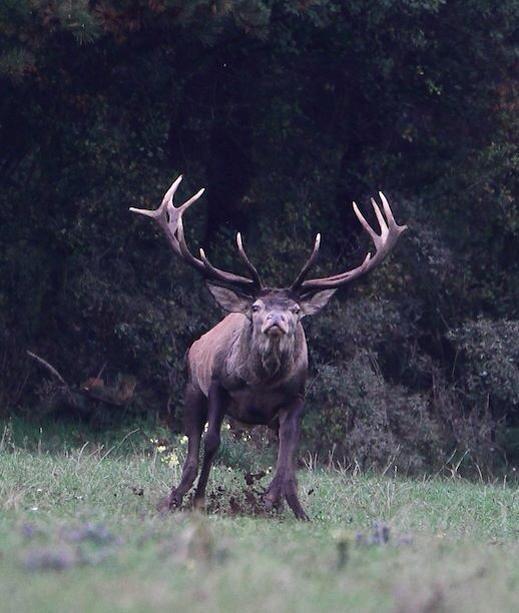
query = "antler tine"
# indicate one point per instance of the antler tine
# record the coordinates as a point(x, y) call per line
point(184, 249)
point(228, 278)
point(167, 215)
point(380, 218)
point(252, 269)
point(206, 268)
point(388, 211)
point(383, 242)
point(166, 200)
point(168, 196)
point(174, 218)
point(364, 223)
point(169, 218)
point(183, 207)
point(308, 264)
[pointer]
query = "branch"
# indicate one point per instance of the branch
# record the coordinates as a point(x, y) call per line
point(49, 367)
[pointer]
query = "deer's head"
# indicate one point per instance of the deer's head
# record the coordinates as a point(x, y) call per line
point(274, 313)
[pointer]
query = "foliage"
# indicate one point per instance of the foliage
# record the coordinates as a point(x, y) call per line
point(285, 110)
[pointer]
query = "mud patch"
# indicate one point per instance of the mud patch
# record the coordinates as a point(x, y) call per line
point(244, 496)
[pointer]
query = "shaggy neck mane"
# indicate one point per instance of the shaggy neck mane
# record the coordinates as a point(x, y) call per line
point(271, 356)
point(257, 357)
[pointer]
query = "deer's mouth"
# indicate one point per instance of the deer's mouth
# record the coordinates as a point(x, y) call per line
point(274, 330)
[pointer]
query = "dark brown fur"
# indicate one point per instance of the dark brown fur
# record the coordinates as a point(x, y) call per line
point(235, 369)
point(253, 364)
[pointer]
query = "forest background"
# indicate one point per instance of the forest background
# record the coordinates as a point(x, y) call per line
point(285, 111)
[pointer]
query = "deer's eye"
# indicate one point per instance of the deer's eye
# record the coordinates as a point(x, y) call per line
point(296, 310)
point(255, 308)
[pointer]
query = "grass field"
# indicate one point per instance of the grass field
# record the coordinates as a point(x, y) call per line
point(79, 532)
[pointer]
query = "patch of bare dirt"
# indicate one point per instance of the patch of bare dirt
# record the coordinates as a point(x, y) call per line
point(244, 496)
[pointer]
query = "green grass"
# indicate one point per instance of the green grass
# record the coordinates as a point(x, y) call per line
point(453, 544)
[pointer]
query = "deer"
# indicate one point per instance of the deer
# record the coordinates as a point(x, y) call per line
point(252, 366)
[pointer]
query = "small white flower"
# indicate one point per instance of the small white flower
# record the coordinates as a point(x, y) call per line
point(173, 460)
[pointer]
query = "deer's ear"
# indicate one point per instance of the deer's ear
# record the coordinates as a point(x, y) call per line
point(230, 300)
point(313, 303)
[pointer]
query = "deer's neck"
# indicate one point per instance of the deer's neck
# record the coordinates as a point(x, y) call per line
point(257, 358)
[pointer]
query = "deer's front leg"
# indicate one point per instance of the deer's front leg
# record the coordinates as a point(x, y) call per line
point(195, 415)
point(217, 401)
point(284, 482)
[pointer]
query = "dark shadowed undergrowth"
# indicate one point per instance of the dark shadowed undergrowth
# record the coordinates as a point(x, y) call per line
point(78, 529)
point(286, 111)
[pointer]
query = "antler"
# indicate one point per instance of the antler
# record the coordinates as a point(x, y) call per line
point(169, 219)
point(389, 233)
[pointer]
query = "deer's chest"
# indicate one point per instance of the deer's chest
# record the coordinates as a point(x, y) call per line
point(253, 406)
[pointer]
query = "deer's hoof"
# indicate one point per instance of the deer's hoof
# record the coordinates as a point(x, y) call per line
point(273, 495)
point(199, 504)
point(293, 502)
point(301, 515)
point(169, 503)
point(271, 503)
point(163, 505)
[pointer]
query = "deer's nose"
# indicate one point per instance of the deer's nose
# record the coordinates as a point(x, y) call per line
point(275, 322)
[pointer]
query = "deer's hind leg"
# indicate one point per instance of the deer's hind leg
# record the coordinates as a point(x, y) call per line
point(195, 417)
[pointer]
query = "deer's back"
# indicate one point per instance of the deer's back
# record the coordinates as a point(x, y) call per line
point(204, 353)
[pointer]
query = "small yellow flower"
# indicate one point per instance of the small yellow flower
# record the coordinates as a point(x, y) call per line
point(161, 448)
point(171, 460)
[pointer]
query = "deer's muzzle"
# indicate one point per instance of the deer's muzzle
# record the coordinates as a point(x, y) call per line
point(275, 325)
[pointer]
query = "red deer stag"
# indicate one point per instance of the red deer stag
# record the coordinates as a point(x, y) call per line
point(253, 364)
